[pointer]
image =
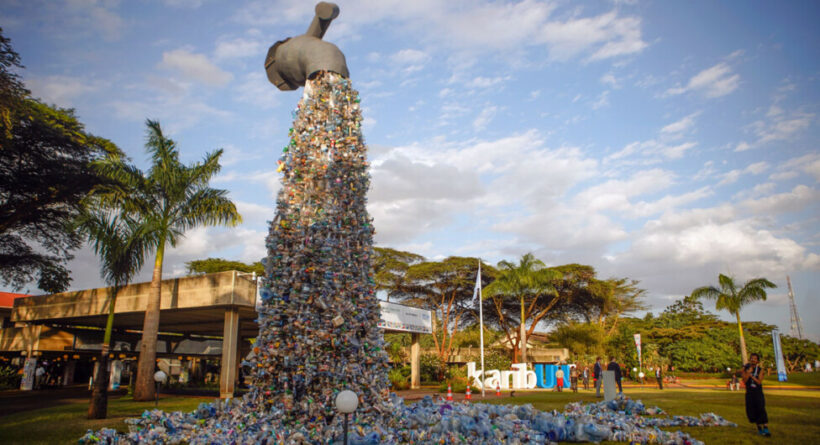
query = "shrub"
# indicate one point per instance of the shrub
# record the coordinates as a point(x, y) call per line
point(399, 378)
point(9, 379)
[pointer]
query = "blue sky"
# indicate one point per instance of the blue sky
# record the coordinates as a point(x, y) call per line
point(662, 141)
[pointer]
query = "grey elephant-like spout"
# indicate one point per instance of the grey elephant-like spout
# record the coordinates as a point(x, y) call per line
point(292, 61)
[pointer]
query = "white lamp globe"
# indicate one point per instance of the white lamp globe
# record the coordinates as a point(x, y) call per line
point(641, 374)
point(729, 369)
point(160, 376)
point(634, 369)
point(347, 401)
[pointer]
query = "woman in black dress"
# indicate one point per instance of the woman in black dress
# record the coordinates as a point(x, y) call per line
point(755, 402)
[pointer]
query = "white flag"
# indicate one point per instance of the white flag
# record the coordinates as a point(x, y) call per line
point(477, 283)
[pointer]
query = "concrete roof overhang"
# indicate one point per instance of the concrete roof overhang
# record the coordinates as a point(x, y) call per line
point(189, 305)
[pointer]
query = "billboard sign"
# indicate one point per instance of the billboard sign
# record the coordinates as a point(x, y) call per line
point(396, 317)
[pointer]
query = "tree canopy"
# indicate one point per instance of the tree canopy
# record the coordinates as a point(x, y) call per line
point(45, 174)
point(214, 265)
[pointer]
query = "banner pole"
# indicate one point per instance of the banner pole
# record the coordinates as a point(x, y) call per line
point(481, 328)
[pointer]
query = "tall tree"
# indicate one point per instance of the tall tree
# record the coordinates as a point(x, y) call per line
point(214, 265)
point(121, 242)
point(45, 174)
point(728, 297)
point(446, 288)
point(530, 283)
point(390, 269)
point(171, 199)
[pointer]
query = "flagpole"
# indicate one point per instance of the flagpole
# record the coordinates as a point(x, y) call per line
point(481, 328)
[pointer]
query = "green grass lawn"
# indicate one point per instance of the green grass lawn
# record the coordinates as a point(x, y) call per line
point(65, 424)
point(794, 414)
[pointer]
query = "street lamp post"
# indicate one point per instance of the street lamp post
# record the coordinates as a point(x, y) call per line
point(346, 402)
point(159, 377)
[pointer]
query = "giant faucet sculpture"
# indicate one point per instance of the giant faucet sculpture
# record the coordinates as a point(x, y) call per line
point(292, 61)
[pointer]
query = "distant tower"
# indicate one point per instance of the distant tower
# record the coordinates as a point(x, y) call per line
point(797, 327)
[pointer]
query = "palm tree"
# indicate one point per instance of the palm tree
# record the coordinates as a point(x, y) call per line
point(170, 199)
point(121, 244)
point(732, 299)
point(530, 278)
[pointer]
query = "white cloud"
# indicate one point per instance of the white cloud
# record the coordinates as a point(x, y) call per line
point(484, 82)
point(487, 114)
point(742, 146)
point(675, 128)
point(62, 91)
point(782, 127)
point(238, 48)
point(690, 242)
point(93, 15)
point(602, 101)
point(713, 82)
point(605, 35)
point(195, 66)
point(470, 27)
point(609, 79)
point(808, 164)
point(800, 198)
point(677, 151)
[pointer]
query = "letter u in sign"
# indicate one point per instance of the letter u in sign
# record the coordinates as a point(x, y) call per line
point(545, 375)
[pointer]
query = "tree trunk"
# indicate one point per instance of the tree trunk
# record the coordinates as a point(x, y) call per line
point(98, 407)
point(743, 356)
point(144, 390)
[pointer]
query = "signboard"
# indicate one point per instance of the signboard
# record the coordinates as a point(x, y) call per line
point(518, 377)
point(395, 317)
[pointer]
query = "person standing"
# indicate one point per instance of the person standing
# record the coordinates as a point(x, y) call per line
point(597, 370)
point(755, 402)
point(659, 377)
point(559, 378)
point(614, 366)
point(586, 377)
point(573, 378)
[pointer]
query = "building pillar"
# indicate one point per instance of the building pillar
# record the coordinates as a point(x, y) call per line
point(415, 378)
point(230, 346)
point(68, 372)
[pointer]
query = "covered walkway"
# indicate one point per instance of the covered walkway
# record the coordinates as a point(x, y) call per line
point(203, 316)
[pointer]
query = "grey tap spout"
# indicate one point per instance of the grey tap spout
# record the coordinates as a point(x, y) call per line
point(292, 61)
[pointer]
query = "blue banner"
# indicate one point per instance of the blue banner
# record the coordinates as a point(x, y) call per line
point(778, 356)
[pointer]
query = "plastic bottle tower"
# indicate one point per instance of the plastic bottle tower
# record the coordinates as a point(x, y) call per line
point(318, 322)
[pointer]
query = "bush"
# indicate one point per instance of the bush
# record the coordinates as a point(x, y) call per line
point(458, 385)
point(400, 378)
point(9, 379)
point(430, 368)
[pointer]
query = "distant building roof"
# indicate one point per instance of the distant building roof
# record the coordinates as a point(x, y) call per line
point(7, 299)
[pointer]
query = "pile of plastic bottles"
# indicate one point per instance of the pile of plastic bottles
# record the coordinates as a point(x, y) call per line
point(426, 421)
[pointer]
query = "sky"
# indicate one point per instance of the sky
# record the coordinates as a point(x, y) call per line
point(666, 142)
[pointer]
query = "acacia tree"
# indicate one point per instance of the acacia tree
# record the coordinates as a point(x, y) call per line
point(529, 283)
point(214, 265)
point(446, 288)
point(728, 297)
point(390, 269)
point(121, 242)
point(170, 199)
point(45, 173)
